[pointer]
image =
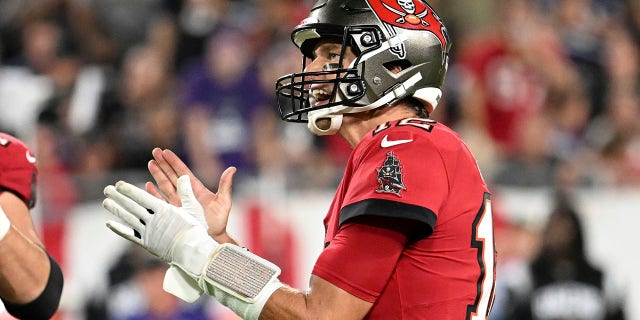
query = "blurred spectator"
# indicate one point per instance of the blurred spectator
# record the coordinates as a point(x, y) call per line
point(129, 23)
point(273, 20)
point(141, 111)
point(505, 83)
point(193, 22)
point(221, 96)
point(81, 32)
point(614, 137)
point(531, 165)
point(561, 283)
point(24, 80)
point(582, 26)
point(568, 108)
point(103, 121)
point(136, 293)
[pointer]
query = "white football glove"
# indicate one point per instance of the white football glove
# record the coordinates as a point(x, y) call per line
point(176, 281)
point(167, 231)
point(237, 278)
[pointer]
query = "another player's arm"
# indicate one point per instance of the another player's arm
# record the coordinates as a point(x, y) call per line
point(24, 267)
point(30, 281)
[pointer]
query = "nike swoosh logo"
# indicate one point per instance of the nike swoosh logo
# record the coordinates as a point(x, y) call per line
point(30, 158)
point(386, 143)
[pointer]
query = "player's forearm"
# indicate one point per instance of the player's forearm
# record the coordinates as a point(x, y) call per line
point(287, 303)
point(24, 268)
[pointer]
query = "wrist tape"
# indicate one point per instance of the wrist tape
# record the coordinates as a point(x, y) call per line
point(239, 272)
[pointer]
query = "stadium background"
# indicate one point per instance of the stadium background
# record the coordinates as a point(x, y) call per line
point(545, 93)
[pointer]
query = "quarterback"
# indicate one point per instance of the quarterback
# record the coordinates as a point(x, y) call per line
point(409, 234)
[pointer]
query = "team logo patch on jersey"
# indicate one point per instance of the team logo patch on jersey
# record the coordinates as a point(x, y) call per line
point(390, 176)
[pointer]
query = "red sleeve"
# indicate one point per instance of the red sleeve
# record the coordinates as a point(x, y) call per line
point(18, 171)
point(348, 261)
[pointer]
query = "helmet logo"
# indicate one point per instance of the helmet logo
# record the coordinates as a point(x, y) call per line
point(410, 14)
point(390, 176)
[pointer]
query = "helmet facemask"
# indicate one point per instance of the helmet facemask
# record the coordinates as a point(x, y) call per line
point(295, 101)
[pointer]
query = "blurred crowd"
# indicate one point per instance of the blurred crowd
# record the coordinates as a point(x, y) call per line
point(547, 89)
point(546, 93)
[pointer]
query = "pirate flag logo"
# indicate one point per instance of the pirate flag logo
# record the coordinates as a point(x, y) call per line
point(408, 14)
point(390, 176)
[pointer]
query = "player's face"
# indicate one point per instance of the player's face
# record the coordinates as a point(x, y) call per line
point(326, 57)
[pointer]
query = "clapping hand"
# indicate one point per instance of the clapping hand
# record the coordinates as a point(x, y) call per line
point(175, 234)
point(166, 167)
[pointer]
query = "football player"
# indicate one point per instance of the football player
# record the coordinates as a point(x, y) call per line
point(30, 280)
point(409, 234)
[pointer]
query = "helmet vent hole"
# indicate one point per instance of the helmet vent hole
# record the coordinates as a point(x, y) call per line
point(397, 65)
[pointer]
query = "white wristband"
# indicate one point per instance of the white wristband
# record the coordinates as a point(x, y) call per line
point(240, 280)
point(5, 224)
point(247, 311)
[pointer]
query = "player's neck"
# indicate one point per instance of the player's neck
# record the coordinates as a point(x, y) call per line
point(356, 125)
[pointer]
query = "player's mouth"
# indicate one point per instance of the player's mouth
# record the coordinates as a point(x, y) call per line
point(320, 96)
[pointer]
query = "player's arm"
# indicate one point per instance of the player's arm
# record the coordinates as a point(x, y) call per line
point(241, 280)
point(323, 301)
point(30, 281)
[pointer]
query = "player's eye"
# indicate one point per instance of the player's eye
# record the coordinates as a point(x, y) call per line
point(334, 56)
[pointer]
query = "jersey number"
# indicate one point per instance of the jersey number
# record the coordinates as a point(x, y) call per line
point(425, 124)
point(482, 240)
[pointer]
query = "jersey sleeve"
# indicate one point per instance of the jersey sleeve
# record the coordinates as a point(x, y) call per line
point(350, 253)
point(18, 171)
point(405, 180)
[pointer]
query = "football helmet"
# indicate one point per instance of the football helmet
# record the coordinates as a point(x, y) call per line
point(383, 34)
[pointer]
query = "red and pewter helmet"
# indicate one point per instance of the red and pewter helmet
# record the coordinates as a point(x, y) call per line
point(382, 34)
point(18, 171)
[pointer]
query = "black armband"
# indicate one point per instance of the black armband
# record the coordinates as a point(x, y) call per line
point(46, 304)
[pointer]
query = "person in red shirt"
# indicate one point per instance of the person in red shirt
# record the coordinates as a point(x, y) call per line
point(409, 234)
point(30, 280)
